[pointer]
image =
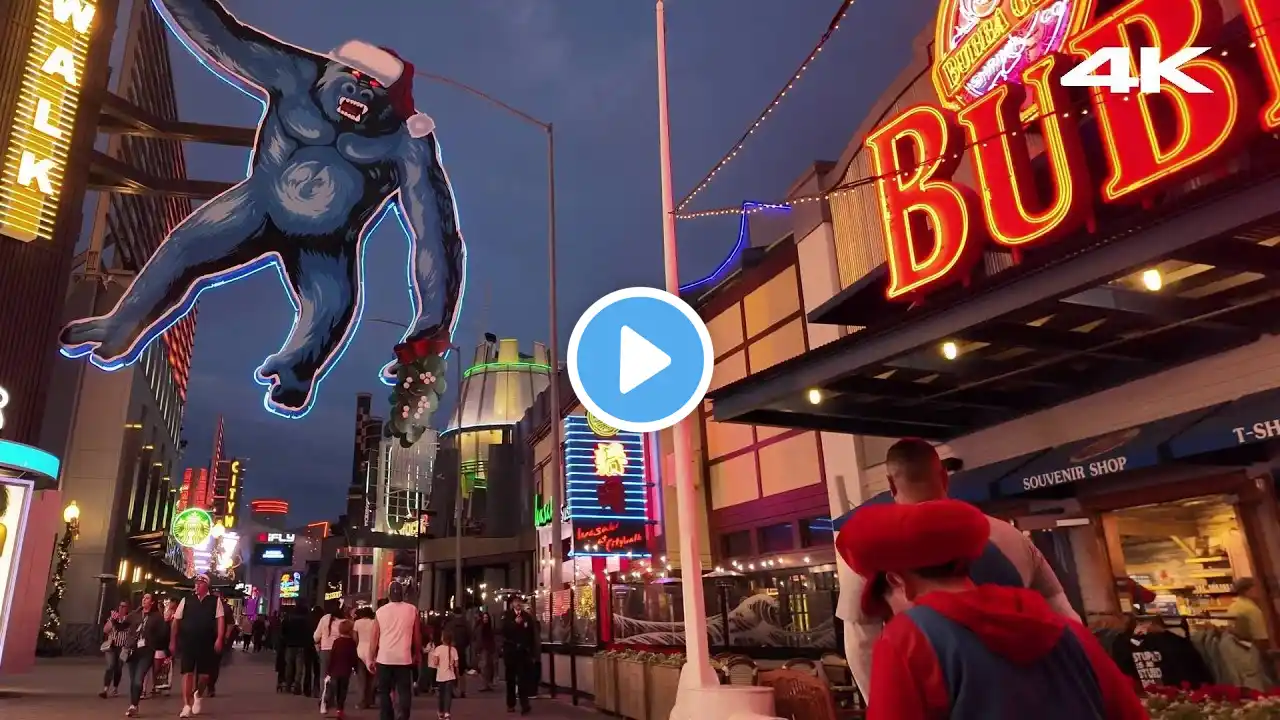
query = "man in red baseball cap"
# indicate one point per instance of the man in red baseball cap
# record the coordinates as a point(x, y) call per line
point(953, 649)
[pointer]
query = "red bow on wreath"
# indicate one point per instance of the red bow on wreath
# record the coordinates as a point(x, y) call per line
point(413, 350)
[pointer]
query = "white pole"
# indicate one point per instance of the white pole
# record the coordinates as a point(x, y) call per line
point(697, 670)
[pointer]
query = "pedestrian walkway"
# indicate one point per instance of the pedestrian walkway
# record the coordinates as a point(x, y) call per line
point(67, 689)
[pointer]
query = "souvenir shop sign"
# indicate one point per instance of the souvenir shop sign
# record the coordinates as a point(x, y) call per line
point(936, 226)
point(610, 537)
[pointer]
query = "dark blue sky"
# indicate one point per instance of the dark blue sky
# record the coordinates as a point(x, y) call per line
point(587, 66)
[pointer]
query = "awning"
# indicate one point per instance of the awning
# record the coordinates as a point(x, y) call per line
point(1248, 420)
point(1134, 448)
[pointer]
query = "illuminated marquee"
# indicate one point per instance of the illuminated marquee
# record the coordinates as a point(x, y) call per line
point(936, 227)
point(36, 160)
point(607, 493)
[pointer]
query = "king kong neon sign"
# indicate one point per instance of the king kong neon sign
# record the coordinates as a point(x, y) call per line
point(936, 227)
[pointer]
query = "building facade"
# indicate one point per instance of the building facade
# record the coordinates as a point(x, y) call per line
point(46, 139)
point(1106, 376)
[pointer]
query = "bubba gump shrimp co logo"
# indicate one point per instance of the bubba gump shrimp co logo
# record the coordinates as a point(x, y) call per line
point(998, 70)
point(983, 43)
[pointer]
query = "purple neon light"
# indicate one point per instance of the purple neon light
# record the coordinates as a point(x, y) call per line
point(744, 236)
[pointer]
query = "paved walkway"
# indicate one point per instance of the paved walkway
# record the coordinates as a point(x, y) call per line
point(67, 689)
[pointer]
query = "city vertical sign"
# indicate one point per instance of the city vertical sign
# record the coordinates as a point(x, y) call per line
point(35, 160)
point(937, 226)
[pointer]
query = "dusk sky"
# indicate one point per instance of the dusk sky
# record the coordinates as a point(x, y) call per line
point(587, 66)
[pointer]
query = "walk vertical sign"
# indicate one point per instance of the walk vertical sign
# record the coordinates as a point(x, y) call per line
point(39, 141)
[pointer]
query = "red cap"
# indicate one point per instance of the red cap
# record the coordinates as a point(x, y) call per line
point(894, 537)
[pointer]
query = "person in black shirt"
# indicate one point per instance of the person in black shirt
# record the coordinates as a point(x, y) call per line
point(295, 636)
point(519, 640)
point(1155, 656)
point(198, 628)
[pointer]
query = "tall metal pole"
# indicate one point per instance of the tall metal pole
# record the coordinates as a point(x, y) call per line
point(697, 671)
point(557, 450)
point(457, 520)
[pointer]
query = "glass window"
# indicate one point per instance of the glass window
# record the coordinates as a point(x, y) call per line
point(776, 538)
point(816, 532)
point(736, 544)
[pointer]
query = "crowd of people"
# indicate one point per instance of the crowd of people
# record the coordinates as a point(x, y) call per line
point(375, 657)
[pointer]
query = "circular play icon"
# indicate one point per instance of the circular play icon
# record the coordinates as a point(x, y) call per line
point(640, 359)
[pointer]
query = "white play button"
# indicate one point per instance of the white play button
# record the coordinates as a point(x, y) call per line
point(638, 361)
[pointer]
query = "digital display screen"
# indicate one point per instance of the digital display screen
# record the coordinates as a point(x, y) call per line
point(273, 554)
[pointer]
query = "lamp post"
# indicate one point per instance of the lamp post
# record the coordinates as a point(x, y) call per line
point(697, 671)
point(557, 450)
point(50, 641)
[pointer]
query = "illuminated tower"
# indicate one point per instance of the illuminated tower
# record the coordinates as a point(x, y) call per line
point(497, 389)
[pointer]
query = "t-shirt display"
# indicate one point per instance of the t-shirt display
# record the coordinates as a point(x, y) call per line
point(1160, 658)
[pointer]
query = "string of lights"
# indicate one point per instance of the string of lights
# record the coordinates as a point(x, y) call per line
point(853, 185)
point(768, 110)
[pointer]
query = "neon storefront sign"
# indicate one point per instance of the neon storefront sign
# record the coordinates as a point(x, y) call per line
point(607, 496)
point(936, 227)
point(192, 527)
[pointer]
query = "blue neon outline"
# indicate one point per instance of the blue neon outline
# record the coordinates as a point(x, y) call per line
point(744, 236)
point(29, 459)
point(390, 205)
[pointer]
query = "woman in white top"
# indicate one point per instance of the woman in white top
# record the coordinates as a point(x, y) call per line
point(364, 633)
point(444, 660)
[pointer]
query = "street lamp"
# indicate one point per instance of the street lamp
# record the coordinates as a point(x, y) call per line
point(557, 450)
point(71, 516)
point(50, 641)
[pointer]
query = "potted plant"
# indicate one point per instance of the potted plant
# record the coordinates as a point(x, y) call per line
point(605, 668)
point(1211, 703)
point(664, 681)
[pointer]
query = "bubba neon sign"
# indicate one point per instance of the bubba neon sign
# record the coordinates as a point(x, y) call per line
point(935, 227)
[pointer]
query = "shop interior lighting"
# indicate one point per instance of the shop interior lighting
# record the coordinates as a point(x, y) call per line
point(1152, 280)
point(950, 351)
point(815, 396)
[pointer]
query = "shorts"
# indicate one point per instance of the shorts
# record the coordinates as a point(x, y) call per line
point(161, 654)
point(200, 661)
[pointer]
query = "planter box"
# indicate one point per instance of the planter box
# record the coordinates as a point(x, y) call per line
point(632, 687)
point(664, 680)
point(606, 689)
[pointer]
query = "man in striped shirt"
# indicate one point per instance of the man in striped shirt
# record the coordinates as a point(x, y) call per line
point(1010, 558)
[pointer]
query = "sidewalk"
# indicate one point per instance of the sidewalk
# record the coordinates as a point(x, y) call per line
point(67, 689)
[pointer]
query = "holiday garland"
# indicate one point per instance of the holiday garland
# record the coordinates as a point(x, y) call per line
point(52, 627)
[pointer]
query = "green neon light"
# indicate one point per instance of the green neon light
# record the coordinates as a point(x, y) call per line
point(504, 366)
point(541, 511)
point(192, 526)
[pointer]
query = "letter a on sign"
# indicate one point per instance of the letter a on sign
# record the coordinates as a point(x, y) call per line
point(929, 221)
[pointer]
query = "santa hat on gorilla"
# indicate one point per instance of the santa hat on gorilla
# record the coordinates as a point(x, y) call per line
point(394, 72)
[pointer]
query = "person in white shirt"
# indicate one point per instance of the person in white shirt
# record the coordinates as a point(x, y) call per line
point(325, 633)
point(444, 660)
point(397, 651)
point(365, 627)
point(916, 475)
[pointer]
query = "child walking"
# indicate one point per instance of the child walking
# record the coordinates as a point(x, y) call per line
point(342, 663)
point(444, 660)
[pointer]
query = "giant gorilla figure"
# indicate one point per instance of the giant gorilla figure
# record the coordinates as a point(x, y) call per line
point(340, 139)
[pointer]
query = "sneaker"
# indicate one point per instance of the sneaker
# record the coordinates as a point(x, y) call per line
point(115, 692)
point(186, 712)
point(132, 711)
point(324, 708)
point(195, 704)
point(103, 694)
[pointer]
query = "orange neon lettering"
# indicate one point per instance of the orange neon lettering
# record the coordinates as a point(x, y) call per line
point(927, 217)
point(1001, 157)
point(1152, 140)
point(1263, 17)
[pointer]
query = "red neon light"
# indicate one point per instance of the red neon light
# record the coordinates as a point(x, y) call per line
point(924, 202)
point(1144, 153)
point(269, 507)
point(1263, 17)
point(1015, 214)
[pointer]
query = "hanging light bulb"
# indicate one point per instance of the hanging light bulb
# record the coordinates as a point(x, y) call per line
point(950, 350)
point(1152, 280)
